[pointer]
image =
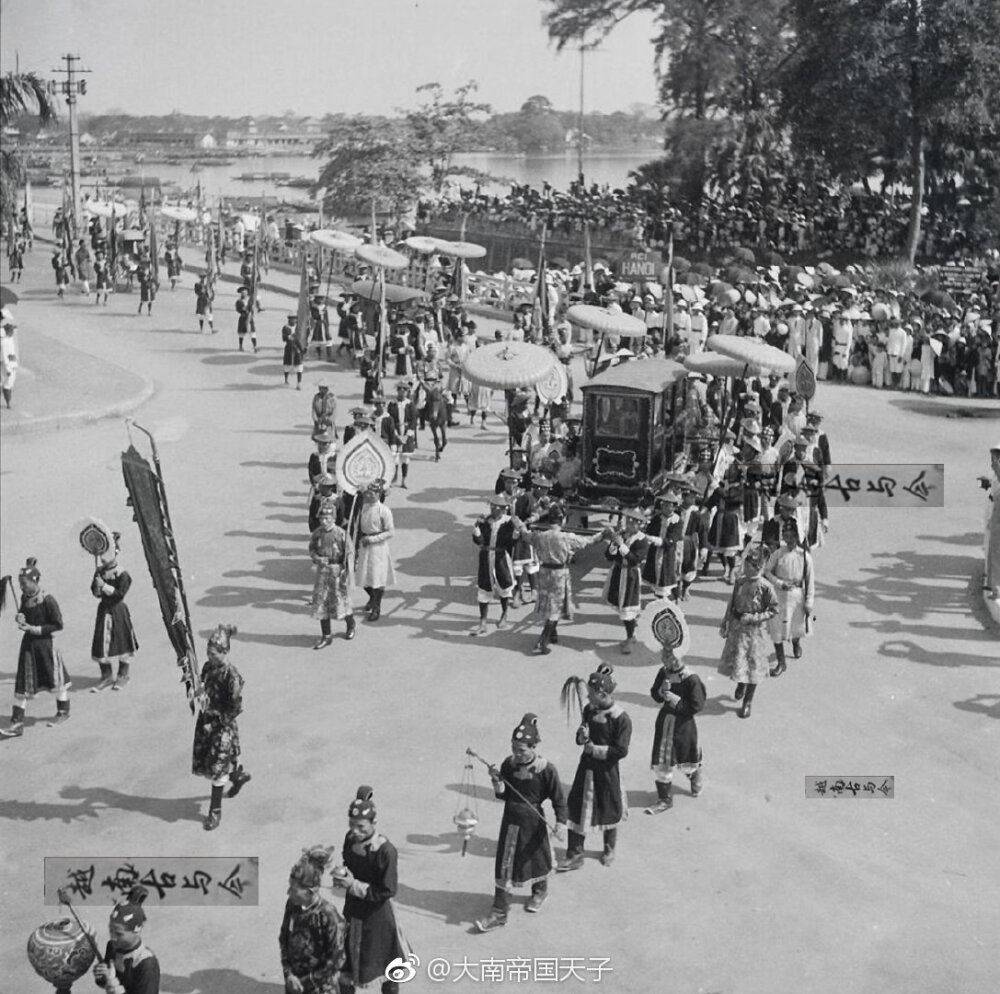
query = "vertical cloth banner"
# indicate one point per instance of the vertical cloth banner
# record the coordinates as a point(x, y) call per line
point(154, 255)
point(302, 324)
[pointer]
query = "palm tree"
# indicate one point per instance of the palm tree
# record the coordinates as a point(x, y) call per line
point(20, 93)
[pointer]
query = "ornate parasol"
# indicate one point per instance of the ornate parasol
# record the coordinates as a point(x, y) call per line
point(379, 255)
point(179, 213)
point(107, 208)
point(340, 241)
point(461, 250)
point(752, 353)
point(714, 364)
point(662, 625)
point(362, 461)
point(606, 322)
point(394, 292)
point(423, 244)
point(508, 365)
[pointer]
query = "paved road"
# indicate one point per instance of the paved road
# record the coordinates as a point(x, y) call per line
point(749, 889)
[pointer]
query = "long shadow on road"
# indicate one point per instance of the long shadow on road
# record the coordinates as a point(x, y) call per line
point(217, 982)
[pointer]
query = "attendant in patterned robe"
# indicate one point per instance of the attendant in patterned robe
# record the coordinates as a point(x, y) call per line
point(661, 569)
point(789, 570)
point(623, 586)
point(744, 627)
point(216, 751)
point(313, 933)
point(496, 537)
point(555, 550)
point(370, 877)
point(693, 542)
point(375, 571)
point(39, 663)
point(725, 533)
point(114, 637)
point(330, 549)
point(524, 858)
point(597, 799)
point(675, 741)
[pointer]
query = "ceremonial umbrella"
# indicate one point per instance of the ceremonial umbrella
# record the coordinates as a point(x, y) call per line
point(107, 208)
point(752, 353)
point(339, 241)
point(604, 323)
point(179, 213)
point(422, 243)
point(716, 364)
point(394, 292)
point(379, 255)
point(507, 366)
point(461, 250)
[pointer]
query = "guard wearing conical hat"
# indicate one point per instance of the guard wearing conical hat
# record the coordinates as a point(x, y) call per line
point(39, 663)
point(596, 799)
point(313, 933)
point(129, 966)
point(524, 782)
point(114, 637)
point(216, 751)
point(369, 875)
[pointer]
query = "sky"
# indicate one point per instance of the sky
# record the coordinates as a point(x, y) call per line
point(257, 57)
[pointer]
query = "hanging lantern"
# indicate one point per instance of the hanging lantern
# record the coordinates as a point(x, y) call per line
point(467, 814)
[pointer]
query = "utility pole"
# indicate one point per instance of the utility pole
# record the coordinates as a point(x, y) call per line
point(579, 123)
point(71, 87)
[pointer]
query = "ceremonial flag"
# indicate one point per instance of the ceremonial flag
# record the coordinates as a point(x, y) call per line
point(588, 263)
point(154, 257)
point(303, 323)
point(541, 315)
point(142, 206)
point(210, 267)
point(668, 295)
point(383, 319)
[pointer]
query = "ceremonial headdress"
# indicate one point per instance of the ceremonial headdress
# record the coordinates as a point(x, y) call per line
point(359, 412)
point(323, 388)
point(669, 497)
point(326, 480)
point(325, 436)
point(129, 915)
point(308, 871)
point(541, 483)
point(527, 731)
point(30, 570)
point(221, 637)
point(754, 557)
point(327, 506)
point(497, 500)
point(788, 502)
point(362, 805)
point(509, 473)
point(752, 441)
point(602, 679)
point(376, 486)
point(635, 513)
point(801, 440)
point(751, 426)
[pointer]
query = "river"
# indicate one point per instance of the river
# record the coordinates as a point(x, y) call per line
point(217, 181)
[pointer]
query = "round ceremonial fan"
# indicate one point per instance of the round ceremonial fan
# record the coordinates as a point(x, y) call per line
point(555, 384)
point(662, 625)
point(362, 461)
point(95, 537)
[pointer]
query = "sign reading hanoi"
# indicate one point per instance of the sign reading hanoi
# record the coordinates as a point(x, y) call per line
point(639, 265)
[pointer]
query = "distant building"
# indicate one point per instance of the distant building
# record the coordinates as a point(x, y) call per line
point(280, 138)
point(207, 142)
point(166, 139)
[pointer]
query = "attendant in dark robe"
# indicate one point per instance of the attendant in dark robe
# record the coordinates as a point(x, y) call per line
point(39, 663)
point(496, 537)
point(661, 569)
point(114, 637)
point(324, 411)
point(216, 752)
point(244, 320)
point(369, 875)
point(147, 287)
point(524, 782)
point(313, 933)
point(292, 357)
point(204, 295)
point(129, 966)
point(403, 412)
point(596, 799)
point(675, 740)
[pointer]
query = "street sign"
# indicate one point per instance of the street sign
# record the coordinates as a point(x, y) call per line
point(639, 265)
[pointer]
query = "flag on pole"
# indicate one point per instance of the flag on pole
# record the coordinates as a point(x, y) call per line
point(303, 322)
point(668, 295)
point(383, 320)
point(210, 268)
point(541, 312)
point(154, 257)
point(112, 244)
point(588, 264)
point(29, 205)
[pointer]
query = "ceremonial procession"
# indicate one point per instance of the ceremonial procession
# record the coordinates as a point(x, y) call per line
point(605, 420)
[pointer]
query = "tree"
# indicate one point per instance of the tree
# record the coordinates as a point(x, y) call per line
point(896, 84)
point(20, 94)
point(370, 163)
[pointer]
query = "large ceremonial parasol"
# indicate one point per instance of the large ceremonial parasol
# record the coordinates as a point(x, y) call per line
point(379, 255)
point(604, 323)
point(182, 214)
point(107, 208)
point(423, 244)
point(508, 366)
point(339, 241)
point(395, 293)
point(714, 364)
point(461, 250)
point(752, 353)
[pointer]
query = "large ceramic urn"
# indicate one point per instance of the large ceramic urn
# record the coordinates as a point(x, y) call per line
point(61, 952)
